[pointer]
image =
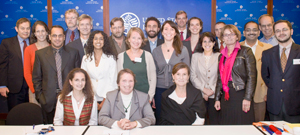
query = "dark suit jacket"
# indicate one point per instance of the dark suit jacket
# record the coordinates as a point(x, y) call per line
point(11, 65)
point(147, 45)
point(65, 32)
point(187, 44)
point(283, 87)
point(113, 47)
point(44, 75)
point(77, 44)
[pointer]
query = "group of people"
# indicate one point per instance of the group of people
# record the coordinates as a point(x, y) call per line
point(190, 77)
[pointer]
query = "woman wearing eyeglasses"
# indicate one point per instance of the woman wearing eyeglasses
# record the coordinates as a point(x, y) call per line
point(237, 80)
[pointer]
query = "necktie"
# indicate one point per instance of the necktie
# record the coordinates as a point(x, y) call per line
point(72, 37)
point(58, 68)
point(181, 36)
point(221, 46)
point(84, 48)
point(25, 45)
point(283, 59)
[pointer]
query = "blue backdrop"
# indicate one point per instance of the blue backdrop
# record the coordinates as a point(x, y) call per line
point(93, 8)
point(135, 12)
point(288, 10)
point(12, 10)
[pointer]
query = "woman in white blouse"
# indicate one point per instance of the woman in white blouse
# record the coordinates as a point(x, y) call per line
point(76, 104)
point(204, 72)
point(100, 63)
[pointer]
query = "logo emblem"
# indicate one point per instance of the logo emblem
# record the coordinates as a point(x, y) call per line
point(61, 16)
point(282, 15)
point(241, 6)
point(266, 6)
point(130, 20)
point(31, 15)
point(251, 15)
point(6, 16)
point(225, 15)
point(235, 23)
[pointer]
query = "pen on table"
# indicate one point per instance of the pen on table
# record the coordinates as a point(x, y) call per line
point(86, 129)
point(268, 129)
point(259, 129)
point(33, 126)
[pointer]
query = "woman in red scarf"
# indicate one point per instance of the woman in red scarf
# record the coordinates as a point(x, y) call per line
point(237, 80)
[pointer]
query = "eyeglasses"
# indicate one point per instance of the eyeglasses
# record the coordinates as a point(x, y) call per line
point(249, 30)
point(68, 18)
point(59, 36)
point(229, 35)
point(265, 26)
point(283, 30)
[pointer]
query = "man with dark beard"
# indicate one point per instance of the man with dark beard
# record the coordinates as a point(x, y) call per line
point(152, 26)
point(117, 38)
point(280, 71)
point(251, 33)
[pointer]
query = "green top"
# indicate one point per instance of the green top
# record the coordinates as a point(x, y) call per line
point(140, 71)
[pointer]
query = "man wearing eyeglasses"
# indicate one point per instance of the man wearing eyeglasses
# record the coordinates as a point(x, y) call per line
point(251, 33)
point(280, 71)
point(72, 32)
point(51, 67)
point(117, 38)
point(266, 26)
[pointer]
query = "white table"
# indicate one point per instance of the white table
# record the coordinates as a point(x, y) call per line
point(151, 130)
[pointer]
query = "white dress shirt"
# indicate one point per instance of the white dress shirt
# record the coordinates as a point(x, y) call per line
point(59, 112)
point(184, 34)
point(253, 48)
point(179, 100)
point(219, 43)
point(103, 77)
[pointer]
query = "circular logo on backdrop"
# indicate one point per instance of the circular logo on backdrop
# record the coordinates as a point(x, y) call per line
point(130, 20)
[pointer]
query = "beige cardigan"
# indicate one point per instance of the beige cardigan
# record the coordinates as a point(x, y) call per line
point(151, 71)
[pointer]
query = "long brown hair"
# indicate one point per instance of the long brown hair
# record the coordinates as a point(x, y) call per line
point(177, 44)
point(87, 90)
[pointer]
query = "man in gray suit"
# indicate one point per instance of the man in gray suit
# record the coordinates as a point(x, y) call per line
point(51, 67)
point(152, 26)
point(85, 25)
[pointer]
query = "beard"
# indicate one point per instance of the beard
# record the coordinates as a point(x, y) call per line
point(117, 35)
point(285, 40)
point(152, 36)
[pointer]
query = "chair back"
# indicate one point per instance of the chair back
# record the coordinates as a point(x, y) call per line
point(25, 114)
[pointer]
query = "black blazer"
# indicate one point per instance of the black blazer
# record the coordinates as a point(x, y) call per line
point(187, 44)
point(11, 65)
point(283, 87)
point(77, 44)
point(44, 75)
point(146, 47)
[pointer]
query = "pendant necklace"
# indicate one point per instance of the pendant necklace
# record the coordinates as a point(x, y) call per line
point(126, 107)
point(168, 50)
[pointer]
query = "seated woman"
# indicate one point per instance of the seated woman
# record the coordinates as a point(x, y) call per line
point(126, 108)
point(182, 103)
point(76, 104)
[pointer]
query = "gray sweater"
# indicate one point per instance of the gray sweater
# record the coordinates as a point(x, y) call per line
point(164, 69)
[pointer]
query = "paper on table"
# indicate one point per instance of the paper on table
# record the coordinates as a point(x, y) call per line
point(36, 130)
point(116, 132)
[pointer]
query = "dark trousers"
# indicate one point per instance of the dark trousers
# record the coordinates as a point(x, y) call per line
point(3, 105)
point(48, 116)
point(284, 116)
point(14, 99)
point(157, 98)
point(212, 116)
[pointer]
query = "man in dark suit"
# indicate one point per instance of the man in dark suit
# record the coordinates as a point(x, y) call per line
point(152, 26)
point(72, 32)
point(280, 71)
point(12, 82)
point(51, 67)
point(117, 38)
point(181, 20)
point(85, 25)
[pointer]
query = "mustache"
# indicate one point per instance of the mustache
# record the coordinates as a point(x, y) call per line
point(252, 34)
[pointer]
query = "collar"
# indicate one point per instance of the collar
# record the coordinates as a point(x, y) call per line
point(155, 42)
point(270, 38)
point(287, 47)
point(83, 41)
point(21, 39)
point(256, 43)
point(225, 50)
point(114, 37)
point(54, 50)
point(75, 30)
point(184, 31)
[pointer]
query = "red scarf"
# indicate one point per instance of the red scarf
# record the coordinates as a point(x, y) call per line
point(225, 69)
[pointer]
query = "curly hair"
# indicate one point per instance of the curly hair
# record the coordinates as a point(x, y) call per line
point(212, 38)
point(33, 38)
point(87, 90)
point(106, 47)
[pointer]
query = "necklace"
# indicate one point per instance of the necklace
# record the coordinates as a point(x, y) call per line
point(126, 107)
point(168, 50)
